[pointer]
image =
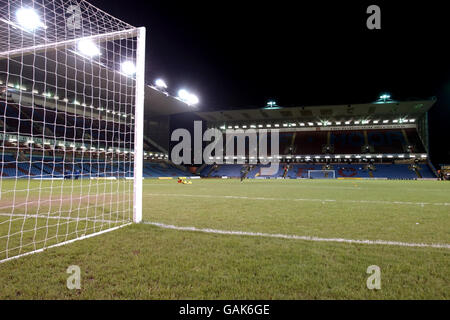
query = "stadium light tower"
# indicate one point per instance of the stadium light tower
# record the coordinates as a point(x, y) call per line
point(29, 19)
point(88, 48)
point(384, 97)
point(193, 100)
point(160, 84)
point(187, 97)
point(128, 67)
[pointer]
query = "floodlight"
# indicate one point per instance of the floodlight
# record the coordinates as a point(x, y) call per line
point(29, 19)
point(160, 84)
point(88, 48)
point(128, 67)
point(183, 94)
point(193, 99)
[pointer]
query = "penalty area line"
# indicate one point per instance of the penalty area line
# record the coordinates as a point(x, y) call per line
point(296, 237)
point(409, 203)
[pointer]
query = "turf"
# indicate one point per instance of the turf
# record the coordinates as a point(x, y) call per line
point(147, 262)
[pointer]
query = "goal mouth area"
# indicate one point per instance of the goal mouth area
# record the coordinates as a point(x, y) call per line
point(321, 174)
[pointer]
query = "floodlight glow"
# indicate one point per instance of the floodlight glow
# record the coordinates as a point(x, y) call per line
point(189, 98)
point(385, 121)
point(338, 123)
point(193, 99)
point(375, 121)
point(161, 84)
point(183, 94)
point(29, 19)
point(347, 122)
point(128, 67)
point(88, 48)
point(412, 120)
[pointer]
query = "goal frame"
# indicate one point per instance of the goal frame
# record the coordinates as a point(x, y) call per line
point(138, 157)
point(333, 171)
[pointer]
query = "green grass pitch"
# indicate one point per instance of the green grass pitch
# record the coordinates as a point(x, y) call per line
point(149, 262)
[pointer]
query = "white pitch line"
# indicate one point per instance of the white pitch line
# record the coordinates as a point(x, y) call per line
point(299, 199)
point(295, 237)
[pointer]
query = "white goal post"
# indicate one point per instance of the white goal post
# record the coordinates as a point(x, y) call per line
point(321, 174)
point(72, 81)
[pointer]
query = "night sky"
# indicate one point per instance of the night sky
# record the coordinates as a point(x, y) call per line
point(236, 54)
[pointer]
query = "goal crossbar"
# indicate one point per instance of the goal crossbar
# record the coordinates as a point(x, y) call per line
point(116, 35)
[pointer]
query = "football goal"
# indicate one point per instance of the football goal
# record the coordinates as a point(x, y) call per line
point(71, 124)
point(321, 174)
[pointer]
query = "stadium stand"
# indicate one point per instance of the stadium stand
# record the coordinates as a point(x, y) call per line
point(43, 160)
point(379, 140)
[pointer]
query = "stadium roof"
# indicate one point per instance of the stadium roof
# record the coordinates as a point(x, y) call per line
point(158, 103)
point(387, 110)
point(62, 79)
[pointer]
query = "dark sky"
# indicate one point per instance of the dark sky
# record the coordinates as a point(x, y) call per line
point(242, 53)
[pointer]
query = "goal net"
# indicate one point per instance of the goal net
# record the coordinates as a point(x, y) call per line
point(321, 174)
point(71, 123)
